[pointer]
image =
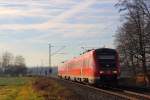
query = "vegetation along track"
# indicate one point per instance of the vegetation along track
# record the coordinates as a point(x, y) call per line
point(88, 92)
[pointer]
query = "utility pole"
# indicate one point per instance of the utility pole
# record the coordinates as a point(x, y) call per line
point(50, 47)
point(52, 54)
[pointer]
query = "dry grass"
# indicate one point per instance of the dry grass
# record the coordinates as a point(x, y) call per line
point(52, 90)
point(27, 93)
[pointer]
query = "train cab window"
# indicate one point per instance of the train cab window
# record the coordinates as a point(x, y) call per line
point(106, 58)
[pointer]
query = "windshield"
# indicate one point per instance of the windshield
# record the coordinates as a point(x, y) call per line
point(106, 59)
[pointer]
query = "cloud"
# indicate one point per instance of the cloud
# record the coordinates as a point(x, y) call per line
point(34, 12)
point(52, 22)
point(32, 8)
point(63, 21)
point(58, 24)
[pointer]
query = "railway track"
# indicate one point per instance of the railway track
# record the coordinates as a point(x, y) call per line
point(138, 95)
point(108, 93)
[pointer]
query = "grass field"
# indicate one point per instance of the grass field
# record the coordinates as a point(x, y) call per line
point(33, 88)
point(17, 88)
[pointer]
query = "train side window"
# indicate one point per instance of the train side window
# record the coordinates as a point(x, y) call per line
point(78, 63)
point(84, 63)
point(75, 64)
point(90, 62)
point(81, 63)
point(71, 65)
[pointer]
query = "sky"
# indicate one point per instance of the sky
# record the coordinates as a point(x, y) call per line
point(71, 26)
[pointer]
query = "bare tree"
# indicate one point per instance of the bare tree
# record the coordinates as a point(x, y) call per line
point(7, 60)
point(13, 65)
point(19, 61)
point(133, 38)
point(20, 65)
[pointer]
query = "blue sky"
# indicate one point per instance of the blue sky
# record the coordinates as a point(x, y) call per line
point(27, 26)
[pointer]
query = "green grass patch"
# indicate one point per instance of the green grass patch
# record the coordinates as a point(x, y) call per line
point(7, 81)
point(17, 88)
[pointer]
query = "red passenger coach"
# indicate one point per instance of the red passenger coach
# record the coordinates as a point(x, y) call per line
point(96, 66)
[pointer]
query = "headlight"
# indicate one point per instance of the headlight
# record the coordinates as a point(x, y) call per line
point(115, 72)
point(101, 72)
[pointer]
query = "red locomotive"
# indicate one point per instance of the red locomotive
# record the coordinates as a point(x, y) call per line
point(96, 66)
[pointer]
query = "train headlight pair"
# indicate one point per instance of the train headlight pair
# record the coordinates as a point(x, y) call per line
point(114, 72)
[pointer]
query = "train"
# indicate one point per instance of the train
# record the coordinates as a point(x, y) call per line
point(97, 66)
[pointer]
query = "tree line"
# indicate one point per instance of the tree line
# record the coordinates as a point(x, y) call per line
point(12, 65)
point(133, 37)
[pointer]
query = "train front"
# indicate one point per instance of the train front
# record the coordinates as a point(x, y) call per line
point(107, 66)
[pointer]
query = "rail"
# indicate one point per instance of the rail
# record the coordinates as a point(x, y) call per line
point(116, 93)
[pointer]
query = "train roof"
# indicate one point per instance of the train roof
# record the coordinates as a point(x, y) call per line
point(106, 50)
point(92, 50)
point(101, 50)
point(78, 57)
